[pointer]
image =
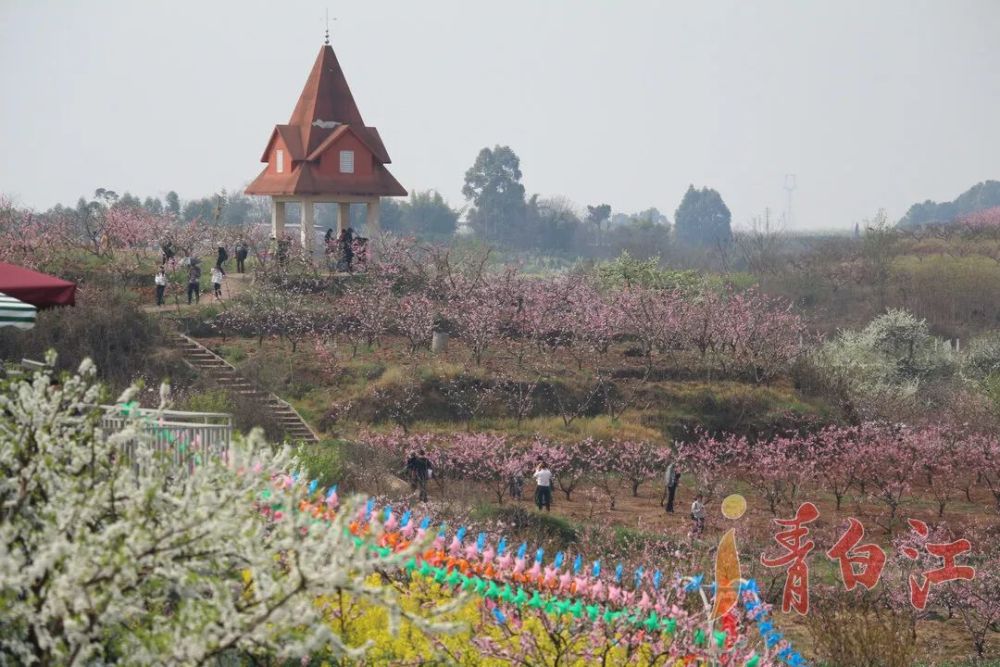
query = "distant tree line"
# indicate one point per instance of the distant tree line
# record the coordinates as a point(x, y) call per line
point(501, 213)
point(498, 211)
point(979, 197)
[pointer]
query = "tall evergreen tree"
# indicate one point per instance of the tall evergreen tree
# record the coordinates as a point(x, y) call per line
point(493, 185)
point(703, 219)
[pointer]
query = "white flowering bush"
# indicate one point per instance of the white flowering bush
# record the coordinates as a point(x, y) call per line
point(890, 359)
point(108, 560)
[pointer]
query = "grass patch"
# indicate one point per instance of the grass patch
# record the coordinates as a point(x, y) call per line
point(541, 527)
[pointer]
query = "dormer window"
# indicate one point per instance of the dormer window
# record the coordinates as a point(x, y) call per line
point(279, 161)
point(347, 162)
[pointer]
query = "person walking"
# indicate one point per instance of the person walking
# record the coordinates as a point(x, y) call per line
point(421, 470)
point(221, 258)
point(217, 276)
point(194, 282)
point(161, 285)
point(241, 256)
point(543, 488)
point(671, 479)
point(698, 515)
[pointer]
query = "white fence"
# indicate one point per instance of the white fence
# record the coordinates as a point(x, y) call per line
point(188, 438)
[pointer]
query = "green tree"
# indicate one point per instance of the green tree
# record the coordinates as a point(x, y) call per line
point(427, 214)
point(703, 219)
point(153, 205)
point(173, 203)
point(597, 216)
point(493, 185)
point(390, 215)
point(553, 224)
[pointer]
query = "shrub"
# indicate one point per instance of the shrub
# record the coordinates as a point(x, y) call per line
point(859, 630)
point(105, 326)
point(533, 527)
point(321, 461)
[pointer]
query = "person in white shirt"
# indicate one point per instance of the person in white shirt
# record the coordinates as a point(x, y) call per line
point(698, 515)
point(543, 490)
point(217, 276)
point(161, 285)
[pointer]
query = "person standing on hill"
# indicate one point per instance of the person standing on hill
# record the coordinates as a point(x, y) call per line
point(514, 486)
point(241, 256)
point(347, 247)
point(167, 250)
point(161, 285)
point(194, 282)
point(217, 276)
point(543, 488)
point(698, 515)
point(421, 470)
point(671, 479)
point(221, 258)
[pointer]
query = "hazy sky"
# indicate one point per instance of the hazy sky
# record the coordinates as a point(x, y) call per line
point(870, 103)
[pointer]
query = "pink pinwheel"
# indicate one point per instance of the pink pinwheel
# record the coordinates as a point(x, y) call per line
point(455, 548)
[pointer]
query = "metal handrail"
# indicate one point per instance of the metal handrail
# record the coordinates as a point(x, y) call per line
point(270, 394)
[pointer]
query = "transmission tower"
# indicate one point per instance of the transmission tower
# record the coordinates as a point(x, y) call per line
point(790, 186)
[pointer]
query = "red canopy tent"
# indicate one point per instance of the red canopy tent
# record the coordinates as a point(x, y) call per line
point(36, 288)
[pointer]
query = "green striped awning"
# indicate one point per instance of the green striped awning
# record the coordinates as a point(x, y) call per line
point(16, 313)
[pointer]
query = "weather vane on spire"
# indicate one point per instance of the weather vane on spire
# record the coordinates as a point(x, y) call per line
point(327, 40)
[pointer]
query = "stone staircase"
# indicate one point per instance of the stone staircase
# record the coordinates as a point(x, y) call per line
point(225, 375)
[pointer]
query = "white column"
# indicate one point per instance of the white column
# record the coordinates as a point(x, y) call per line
point(277, 219)
point(371, 219)
point(307, 228)
point(343, 217)
point(372, 226)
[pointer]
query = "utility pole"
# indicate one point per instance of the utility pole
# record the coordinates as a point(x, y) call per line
point(790, 187)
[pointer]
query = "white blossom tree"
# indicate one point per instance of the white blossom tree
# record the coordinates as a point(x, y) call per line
point(106, 558)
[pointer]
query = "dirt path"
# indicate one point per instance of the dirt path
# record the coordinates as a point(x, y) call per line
point(233, 285)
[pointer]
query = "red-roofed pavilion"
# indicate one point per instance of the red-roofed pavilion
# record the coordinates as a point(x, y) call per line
point(325, 154)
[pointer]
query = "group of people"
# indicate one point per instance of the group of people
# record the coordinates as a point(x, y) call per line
point(218, 272)
point(420, 470)
point(345, 248)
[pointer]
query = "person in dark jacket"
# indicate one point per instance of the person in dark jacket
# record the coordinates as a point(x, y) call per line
point(167, 248)
point(221, 258)
point(194, 282)
point(420, 470)
point(671, 479)
point(241, 256)
point(347, 247)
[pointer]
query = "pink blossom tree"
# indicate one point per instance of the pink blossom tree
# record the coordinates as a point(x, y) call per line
point(637, 461)
point(479, 314)
point(369, 307)
point(414, 318)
